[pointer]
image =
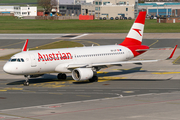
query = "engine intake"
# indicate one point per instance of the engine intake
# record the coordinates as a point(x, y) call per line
point(81, 74)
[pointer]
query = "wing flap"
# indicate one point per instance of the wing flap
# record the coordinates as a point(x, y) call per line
point(76, 66)
point(72, 66)
point(124, 62)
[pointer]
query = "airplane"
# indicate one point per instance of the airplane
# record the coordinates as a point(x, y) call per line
point(82, 62)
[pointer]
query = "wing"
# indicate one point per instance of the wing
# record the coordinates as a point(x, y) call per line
point(109, 63)
point(72, 66)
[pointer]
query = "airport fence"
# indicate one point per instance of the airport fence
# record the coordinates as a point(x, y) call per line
point(56, 17)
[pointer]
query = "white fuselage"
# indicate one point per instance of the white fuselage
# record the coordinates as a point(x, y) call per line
point(58, 60)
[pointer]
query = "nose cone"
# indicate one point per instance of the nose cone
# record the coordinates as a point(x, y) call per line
point(7, 68)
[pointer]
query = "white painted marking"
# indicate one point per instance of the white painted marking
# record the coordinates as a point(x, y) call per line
point(60, 104)
point(7, 116)
point(79, 36)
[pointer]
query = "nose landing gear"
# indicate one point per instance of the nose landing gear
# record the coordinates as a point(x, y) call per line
point(26, 83)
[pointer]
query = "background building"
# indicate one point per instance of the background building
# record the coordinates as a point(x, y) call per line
point(69, 10)
point(161, 8)
point(88, 9)
point(19, 11)
point(142, 1)
point(25, 11)
point(6, 9)
point(116, 8)
point(100, 8)
point(66, 2)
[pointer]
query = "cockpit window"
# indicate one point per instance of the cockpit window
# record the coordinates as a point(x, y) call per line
point(13, 60)
point(16, 60)
point(22, 60)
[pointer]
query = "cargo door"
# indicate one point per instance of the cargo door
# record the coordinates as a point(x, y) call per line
point(128, 55)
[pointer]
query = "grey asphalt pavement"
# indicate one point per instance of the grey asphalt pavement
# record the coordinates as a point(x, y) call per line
point(149, 91)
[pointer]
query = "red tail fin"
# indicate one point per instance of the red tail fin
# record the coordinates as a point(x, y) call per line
point(135, 34)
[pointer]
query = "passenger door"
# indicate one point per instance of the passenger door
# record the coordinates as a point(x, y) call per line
point(33, 60)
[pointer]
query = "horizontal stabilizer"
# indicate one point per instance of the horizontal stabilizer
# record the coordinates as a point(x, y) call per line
point(139, 50)
point(164, 48)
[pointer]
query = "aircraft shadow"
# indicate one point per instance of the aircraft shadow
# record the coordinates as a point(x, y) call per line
point(53, 78)
point(123, 71)
point(43, 79)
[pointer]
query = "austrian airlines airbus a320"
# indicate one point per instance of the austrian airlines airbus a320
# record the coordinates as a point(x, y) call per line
point(82, 62)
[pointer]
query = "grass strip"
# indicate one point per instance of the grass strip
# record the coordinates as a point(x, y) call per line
point(11, 24)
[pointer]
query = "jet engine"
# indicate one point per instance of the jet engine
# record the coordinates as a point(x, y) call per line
point(81, 74)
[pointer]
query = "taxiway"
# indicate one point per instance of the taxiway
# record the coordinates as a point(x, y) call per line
point(148, 91)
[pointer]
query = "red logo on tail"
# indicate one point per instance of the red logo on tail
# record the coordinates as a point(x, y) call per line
point(137, 30)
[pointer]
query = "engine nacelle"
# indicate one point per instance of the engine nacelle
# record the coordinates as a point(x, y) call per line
point(81, 74)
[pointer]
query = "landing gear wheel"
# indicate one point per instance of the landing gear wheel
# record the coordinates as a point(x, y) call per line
point(93, 79)
point(26, 83)
point(61, 76)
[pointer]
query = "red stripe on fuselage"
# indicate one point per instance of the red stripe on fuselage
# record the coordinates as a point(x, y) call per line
point(134, 48)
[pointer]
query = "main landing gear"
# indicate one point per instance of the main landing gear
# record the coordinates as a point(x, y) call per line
point(61, 76)
point(93, 79)
point(26, 83)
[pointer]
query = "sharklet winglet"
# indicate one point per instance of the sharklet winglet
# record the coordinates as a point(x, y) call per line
point(172, 53)
point(25, 46)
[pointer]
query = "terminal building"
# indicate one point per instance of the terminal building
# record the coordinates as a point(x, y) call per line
point(19, 11)
point(117, 8)
point(161, 8)
point(99, 8)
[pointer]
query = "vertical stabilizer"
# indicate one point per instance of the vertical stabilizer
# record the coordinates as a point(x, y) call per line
point(135, 34)
point(25, 46)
